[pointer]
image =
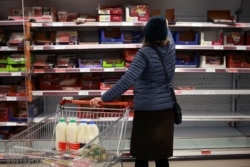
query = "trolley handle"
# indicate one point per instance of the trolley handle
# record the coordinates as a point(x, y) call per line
point(87, 102)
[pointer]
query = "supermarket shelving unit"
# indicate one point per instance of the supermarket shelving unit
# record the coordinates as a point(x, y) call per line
point(216, 113)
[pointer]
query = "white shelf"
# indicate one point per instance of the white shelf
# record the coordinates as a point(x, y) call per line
point(14, 98)
point(11, 23)
point(11, 48)
point(136, 24)
point(12, 74)
point(123, 69)
point(130, 92)
point(130, 46)
point(13, 123)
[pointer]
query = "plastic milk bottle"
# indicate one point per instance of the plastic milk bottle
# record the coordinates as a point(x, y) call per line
point(61, 135)
point(72, 130)
point(82, 132)
point(93, 131)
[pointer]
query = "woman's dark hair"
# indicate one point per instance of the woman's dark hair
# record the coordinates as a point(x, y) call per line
point(160, 43)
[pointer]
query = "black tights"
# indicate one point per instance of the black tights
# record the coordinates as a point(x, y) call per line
point(158, 163)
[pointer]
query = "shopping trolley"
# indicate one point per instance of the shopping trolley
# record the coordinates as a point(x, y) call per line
point(35, 146)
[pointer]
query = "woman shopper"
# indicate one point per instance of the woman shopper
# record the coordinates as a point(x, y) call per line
point(153, 123)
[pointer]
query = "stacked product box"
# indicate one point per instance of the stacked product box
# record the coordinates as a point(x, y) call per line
point(59, 81)
point(129, 55)
point(44, 38)
point(238, 60)
point(137, 13)
point(12, 63)
point(67, 37)
point(65, 16)
point(110, 14)
point(89, 81)
point(234, 38)
point(89, 63)
point(35, 13)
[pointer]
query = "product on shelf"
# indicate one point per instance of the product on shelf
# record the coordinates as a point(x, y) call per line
point(187, 37)
point(89, 63)
point(210, 60)
point(211, 37)
point(186, 60)
point(107, 83)
point(110, 13)
point(35, 14)
point(133, 36)
point(16, 39)
point(112, 62)
point(68, 80)
point(67, 37)
point(4, 58)
point(16, 14)
point(18, 90)
point(16, 68)
point(49, 82)
point(110, 10)
point(64, 16)
point(18, 112)
point(129, 55)
point(220, 16)
point(170, 16)
point(111, 35)
point(43, 14)
point(61, 81)
point(4, 112)
point(89, 81)
point(110, 18)
point(44, 38)
point(66, 61)
point(2, 39)
point(16, 59)
point(8, 90)
point(238, 60)
point(44, 61)
point(234, 38)
point(135, 13)
point(85, 18)
point(4, 67)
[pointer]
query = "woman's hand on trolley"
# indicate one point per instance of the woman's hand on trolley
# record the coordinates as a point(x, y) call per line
point(95, 102)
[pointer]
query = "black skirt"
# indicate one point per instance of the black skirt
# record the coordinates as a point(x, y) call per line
point(152, 135)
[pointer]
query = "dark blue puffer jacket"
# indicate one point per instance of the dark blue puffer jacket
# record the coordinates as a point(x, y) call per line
point(146, 74)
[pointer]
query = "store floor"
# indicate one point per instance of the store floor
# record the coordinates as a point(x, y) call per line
point(196, 163)
point(204, 163)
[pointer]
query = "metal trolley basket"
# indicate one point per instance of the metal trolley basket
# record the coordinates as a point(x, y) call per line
point(35, 146)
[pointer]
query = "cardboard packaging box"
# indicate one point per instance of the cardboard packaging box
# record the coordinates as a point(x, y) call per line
point(136, 13)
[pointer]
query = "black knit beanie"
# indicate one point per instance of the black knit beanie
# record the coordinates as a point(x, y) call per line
point(155, 29)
